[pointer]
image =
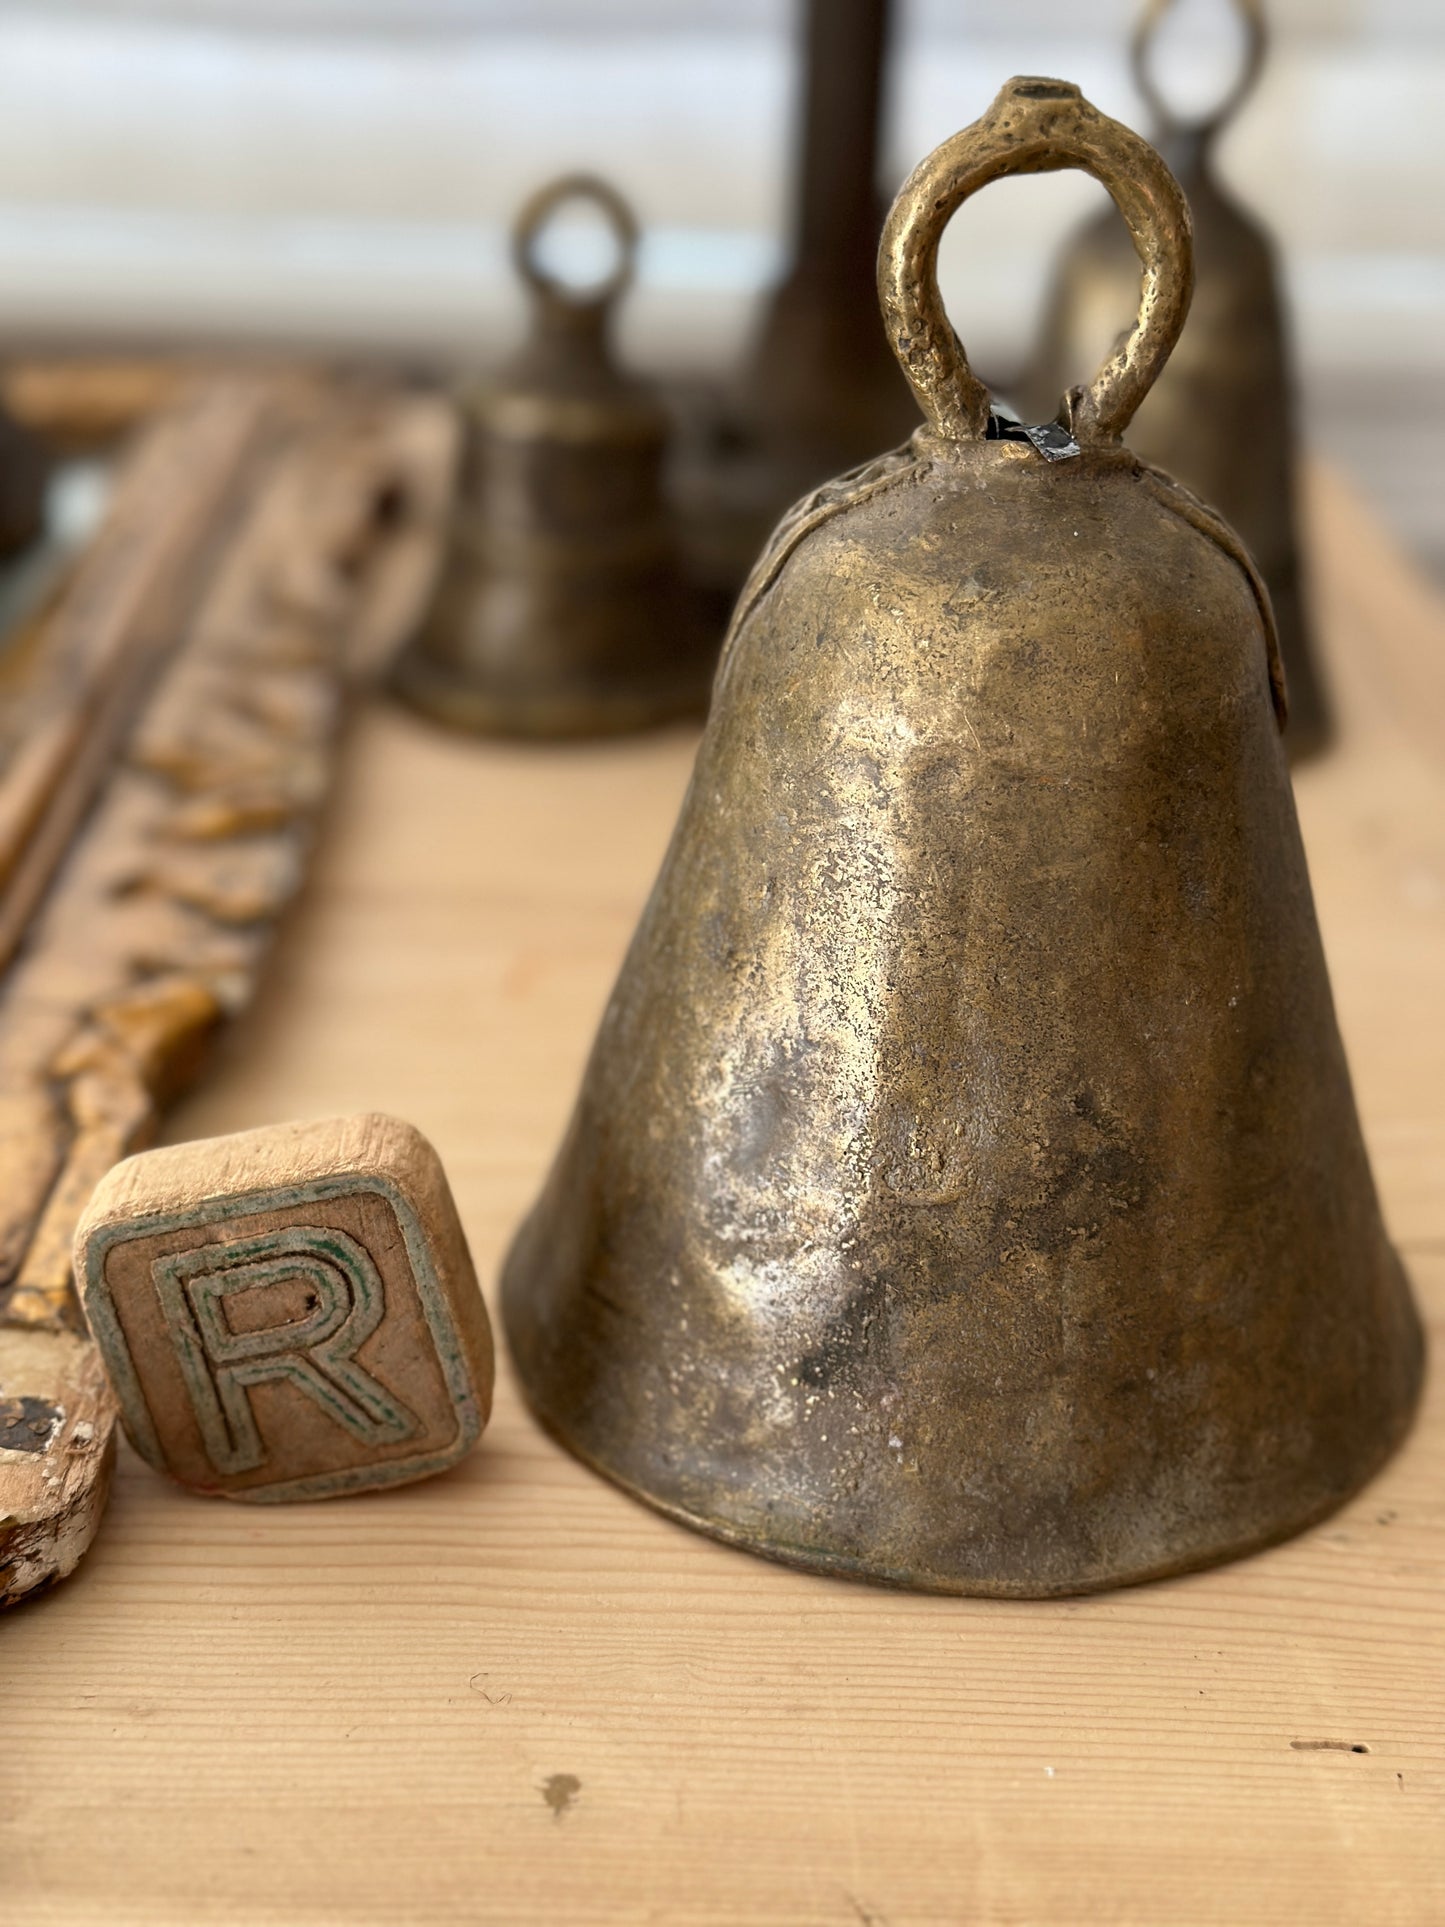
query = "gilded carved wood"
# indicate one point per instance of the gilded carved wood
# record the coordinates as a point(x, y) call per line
point(168, 743)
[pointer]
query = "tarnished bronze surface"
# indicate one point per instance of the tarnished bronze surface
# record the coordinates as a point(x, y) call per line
point(820, 389)
point(1221, 419)
point(561, 610)
point(965, 1190)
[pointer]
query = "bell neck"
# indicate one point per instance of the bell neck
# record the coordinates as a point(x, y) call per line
point(1187, 149)
point(1046, 448)
point(569, 350)
point(836, 212)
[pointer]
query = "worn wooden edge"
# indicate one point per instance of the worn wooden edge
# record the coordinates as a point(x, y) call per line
point(53, 1495)
point(111, 627)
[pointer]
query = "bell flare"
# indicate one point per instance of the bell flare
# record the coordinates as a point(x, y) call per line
point(556, 653)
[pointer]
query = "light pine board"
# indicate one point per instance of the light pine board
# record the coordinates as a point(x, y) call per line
point(513, 1696)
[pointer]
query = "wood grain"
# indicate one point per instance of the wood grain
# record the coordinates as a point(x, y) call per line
point(83, 401)
point(512, 1696)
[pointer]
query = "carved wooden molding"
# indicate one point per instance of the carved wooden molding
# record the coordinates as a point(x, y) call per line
point(168, 753)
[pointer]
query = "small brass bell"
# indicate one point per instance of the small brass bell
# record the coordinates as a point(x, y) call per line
point(561, 610)
point(965, 1190)
point(1221, 418)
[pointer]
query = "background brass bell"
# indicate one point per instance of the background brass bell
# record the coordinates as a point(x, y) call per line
point(965, 1190)
point(1221, 418)
point(560, 610)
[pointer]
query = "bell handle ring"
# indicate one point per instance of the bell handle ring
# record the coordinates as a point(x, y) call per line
point(536, 213)
point(1035, 127)
point(1202, 129)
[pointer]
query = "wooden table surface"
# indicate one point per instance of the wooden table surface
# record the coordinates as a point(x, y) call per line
point(512, 1695)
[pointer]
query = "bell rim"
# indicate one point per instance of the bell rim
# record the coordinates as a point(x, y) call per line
point(860, 1571)
point(460, 705)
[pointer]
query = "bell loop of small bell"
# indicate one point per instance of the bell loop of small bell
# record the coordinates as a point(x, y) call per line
point(551, 292)
point(1035, 126)
point(1193, 133)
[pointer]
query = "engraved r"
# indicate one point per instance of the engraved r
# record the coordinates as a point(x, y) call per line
point(315, 1353)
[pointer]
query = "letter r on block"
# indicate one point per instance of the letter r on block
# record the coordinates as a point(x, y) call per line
point(344, 1303)
point(289, 1313)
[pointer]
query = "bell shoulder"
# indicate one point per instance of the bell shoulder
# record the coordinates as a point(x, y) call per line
point(1180, 501)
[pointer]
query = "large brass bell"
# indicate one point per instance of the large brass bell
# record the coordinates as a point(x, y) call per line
point(561, 610)
point(965, 1190)
point(1221, 418)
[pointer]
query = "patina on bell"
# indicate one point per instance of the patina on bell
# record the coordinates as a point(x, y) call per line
point(1221, 417)
point(561, 609)
point(966, 1190)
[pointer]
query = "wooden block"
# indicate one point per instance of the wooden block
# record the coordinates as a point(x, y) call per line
point(289, 1313)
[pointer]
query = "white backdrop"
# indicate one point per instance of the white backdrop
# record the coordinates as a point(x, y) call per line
point(342, 170)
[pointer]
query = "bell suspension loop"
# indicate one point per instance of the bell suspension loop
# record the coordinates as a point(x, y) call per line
point(1035, 126)
point(551, 292)
point(1201, 130)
